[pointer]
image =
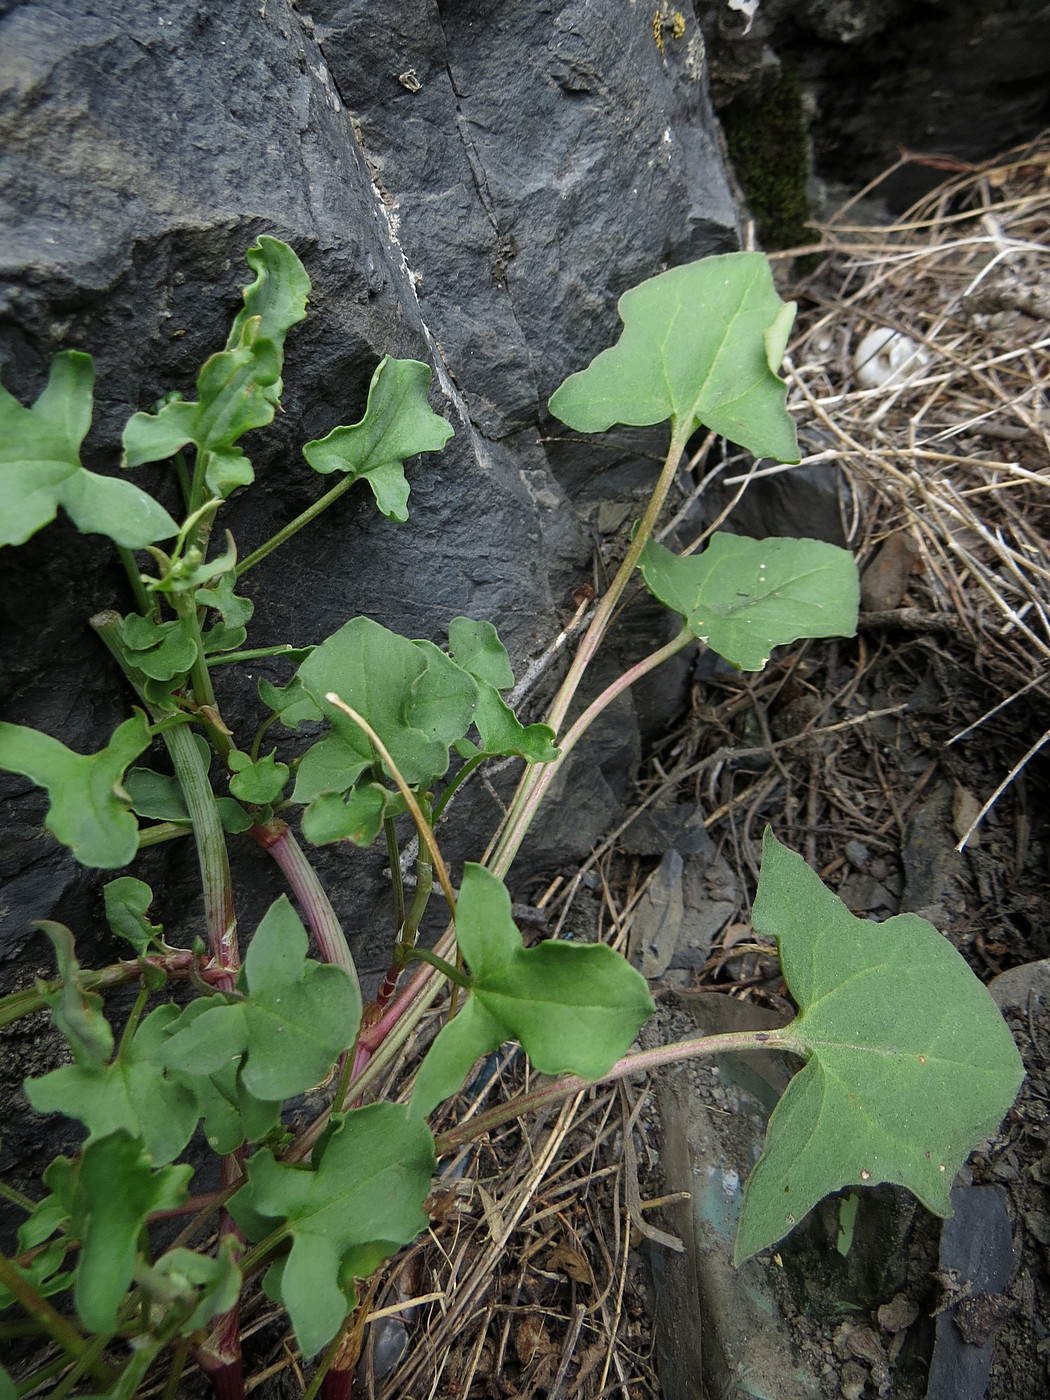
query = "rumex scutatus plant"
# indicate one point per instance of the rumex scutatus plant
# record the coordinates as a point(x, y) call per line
point(907, 1063)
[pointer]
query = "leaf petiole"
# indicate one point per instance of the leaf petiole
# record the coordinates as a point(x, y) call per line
point(454, 974)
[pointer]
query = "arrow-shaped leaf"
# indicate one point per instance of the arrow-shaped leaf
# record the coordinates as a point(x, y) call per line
point(90, 812)
point(575, 1008)
point(398, 423)
point(295, 1018)
point(701, 345)
point(130, 1093)
point(910, 1065)
point(370, 1179)
point(743, 597)
point(40, 467)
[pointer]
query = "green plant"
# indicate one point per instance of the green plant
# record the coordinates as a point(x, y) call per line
point(908, 1064)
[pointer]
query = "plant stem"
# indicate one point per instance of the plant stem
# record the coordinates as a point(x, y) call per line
point(523, 806)
point(60, 1328)
point(294, 526)
point(212, 857)
point(457, 782)
point(544, 774)
point(445, 968)
point(251, 654)
point(163, 831)
point(277, 839)
point(426, 836)
point(641, 1063)
point(16, 1198)
point(177, 964)
point(145, 604)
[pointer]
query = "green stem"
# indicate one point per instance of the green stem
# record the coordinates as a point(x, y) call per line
point(200, 677)
point(60, 1329)
point(421, 898)
point(163, 831)
point(254, 654)
point(294, 526)
point(145, 604)
point(523, 806)
point(92, 1353)
point(642, 1063)
point(133, 1022)
point(177, 964)
point(212, 857)
point(445, 968)
point(16, 1198)
point(471, 766)
point(182, 475)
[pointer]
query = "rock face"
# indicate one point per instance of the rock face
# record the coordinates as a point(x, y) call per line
point(467, 183)
point(949, 77)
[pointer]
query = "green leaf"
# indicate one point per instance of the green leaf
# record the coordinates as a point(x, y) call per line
point(275, 301)
point(127, 901)
point(182, 1277)
point(575, 1008)
point(77, 1013)
point(161, 650)
point(358, 818)
point(371, 1176)
point(910, 1065)
point(234, 396)
point(40, 467)
point(89, 811)
point(130, 1094)
point(476, 646)
point(291, 702)
point(235, 611)
point(231, 1114)
point(156, 795)
point(108, 1219)
point(7, 1385)
point(418, 701)
point(743, 597)
point(259, 782)
point(700, 345)
point(398, 423)
point(295, 1019)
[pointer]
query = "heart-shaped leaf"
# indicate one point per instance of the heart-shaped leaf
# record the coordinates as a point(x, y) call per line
point(398, 422)
point(417, 700)
point(700, 345)
point(295, 1018)
point(743, 597)
point(40, 467)
point(127, 903)
point(77, 1013)
point(89, 810)
point(910, 1065)
point(575, 1008)
point(259, 782)
point(371, 1175)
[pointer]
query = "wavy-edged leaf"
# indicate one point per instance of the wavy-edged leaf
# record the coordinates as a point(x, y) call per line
point(398, 423)
point(40, 467)
point(77, 1013)
point(700, 345)
point(910, 1066)
point(295, 1018)
point(108, 1220)
point(257, 782)
point(742, 597)
point(131, 1093)
point(363, 1199)
point(89, 810)
point(160, 650)
point(209, 1284)
point(574, 1008)
point(127, 903)
point(239, 387)
point(358, 817)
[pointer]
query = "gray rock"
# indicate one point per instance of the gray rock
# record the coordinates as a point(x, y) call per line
point(485, 221)
point(1020, 985)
